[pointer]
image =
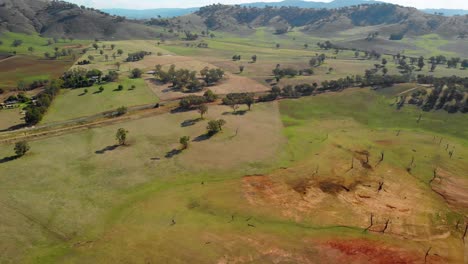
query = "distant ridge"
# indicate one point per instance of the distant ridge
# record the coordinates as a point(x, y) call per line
point(173, 12)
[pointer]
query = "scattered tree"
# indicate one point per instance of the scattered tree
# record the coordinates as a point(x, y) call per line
point(121, 136)
point(184, 141)
point(21, 148)
point(215, 126)
point(202, 109)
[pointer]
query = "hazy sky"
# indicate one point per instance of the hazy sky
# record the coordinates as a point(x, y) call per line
point(142, 4)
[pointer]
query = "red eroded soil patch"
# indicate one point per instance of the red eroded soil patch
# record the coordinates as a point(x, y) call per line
point(365, 251)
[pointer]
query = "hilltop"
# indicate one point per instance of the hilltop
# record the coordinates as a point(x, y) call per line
point(58, 18)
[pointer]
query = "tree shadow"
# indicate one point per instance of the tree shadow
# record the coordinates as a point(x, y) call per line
point(8, 159)
point(97, 92)
point(202, 137)
point(83, 93)
point(173, 153)
point(190, 122)
point(238, 112)
point(15, 127)
point(106, 149)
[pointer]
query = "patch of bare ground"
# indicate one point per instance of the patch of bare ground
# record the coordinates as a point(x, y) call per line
point(365, 251)
point(398, 207)
point(453, 189)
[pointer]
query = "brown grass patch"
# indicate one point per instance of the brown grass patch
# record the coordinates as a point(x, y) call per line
point(453, 189)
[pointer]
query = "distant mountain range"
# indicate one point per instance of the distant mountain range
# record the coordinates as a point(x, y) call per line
point(173, 12)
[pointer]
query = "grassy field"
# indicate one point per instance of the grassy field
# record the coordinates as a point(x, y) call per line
point(294, 181)
point(251, 193)
point(74, 103)
point(39, 44)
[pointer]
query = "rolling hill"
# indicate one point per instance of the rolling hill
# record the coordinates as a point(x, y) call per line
point(58, 18)
point(391, 19)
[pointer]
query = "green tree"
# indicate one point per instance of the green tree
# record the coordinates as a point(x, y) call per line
point(31, 49)
point(120, 52)
point(136, 73)
point(95, 46)
point(21, 148)
point(184, 141)
point(215, 126)
point(421, 62)
point(117, 64)
point(101, 52)
point(254, 58)
point(202, 109)
point(121, 136)
point(101, 89)
point(112, 46)
point(17, 43)
point(241, 68)
point(120, 87)
point(121, 110)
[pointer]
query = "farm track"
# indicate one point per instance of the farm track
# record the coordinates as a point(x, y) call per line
point(84, 123)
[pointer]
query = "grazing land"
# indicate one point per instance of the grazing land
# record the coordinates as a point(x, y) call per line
point(248, 142)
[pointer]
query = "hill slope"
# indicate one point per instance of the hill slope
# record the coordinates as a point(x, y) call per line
point(391, 18)
point(57, 18)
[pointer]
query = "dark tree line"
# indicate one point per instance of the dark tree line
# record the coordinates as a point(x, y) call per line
point(195, 100)
point(137, 56)
point(186, 80)
point(35, 112)
point(80, 77)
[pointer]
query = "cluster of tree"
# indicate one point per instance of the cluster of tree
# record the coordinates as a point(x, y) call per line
point(195, 100)
point(215, 126)
point(23, 86)
point(185, 79)
point(280, 73)
point(371, 36)
point(236, 57)
point(17, 43)
point(203, 45)
point(136, 73)
point(439, 82)
point(326, 45)
point(84, 62)
point(57, 54)
point(137, 56)
point(281, 29)
point(318, 60)
point(181, 79)
point(451, 98)
point(190, 36)
point(80, 77)
point(235, 99)
point(397, 36)
point(211, 76)
point(35, 112)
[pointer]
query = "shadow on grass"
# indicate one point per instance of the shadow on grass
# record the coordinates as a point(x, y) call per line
point(15, 127)
point(202, 137)
point(8, 159)
point(239, 112)
point(97, 92)
point(106, 149)
point(190, 122)
point(173, 153)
